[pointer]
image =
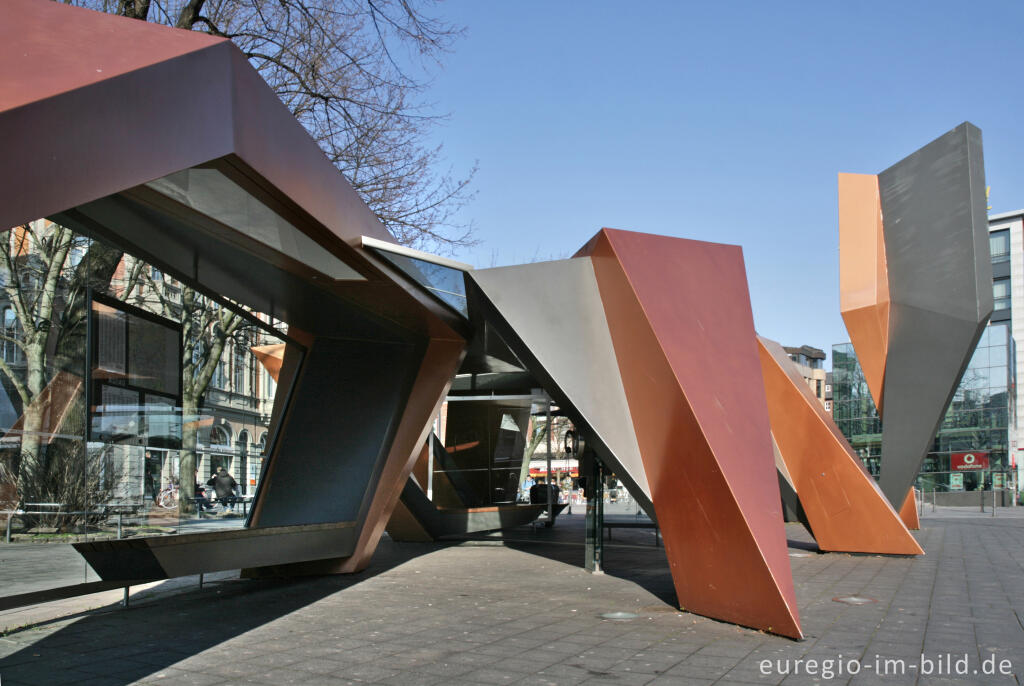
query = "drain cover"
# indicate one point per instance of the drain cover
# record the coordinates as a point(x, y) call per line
point(621, 616)
point(854, 600)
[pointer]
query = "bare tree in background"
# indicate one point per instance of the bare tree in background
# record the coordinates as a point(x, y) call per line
point(354, 73)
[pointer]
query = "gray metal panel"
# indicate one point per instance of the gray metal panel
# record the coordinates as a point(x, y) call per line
point(940, 289)
point(936, 228)
point(928, 353)
point(330, 453)
point(554, 309)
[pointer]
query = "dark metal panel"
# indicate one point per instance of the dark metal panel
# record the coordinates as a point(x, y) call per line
point(162, 557)
point(345, 407)
point(552, 316)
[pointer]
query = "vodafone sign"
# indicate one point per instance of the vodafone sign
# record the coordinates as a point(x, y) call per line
point(967, 462)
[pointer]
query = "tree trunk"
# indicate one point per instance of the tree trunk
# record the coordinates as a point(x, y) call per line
point(187, 463)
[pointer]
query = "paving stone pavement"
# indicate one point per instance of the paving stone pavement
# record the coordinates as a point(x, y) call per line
point(522, 611)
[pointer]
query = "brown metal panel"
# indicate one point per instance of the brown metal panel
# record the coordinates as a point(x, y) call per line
point(683, 333)
point(908, 511)
point(844, 506)
point(863, 281)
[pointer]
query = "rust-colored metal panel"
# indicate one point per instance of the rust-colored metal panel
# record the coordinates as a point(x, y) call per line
point(271, 357)
point(908, 511)
point(681, 325)
point(845, 508)
point(863, 280)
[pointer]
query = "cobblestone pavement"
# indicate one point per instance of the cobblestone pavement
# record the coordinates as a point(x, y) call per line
point(522, 611)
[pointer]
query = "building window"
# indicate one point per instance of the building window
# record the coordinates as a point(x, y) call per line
point(238, 381)
point(999, 245)
point(12, 352)
point(817, 387)
point(1001, 294)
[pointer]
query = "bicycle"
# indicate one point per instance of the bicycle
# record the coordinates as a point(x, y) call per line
point(168, 498)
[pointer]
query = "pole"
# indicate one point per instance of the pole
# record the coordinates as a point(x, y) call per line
point(10, 516)
point(993, 501)
point(920, 501)
point(124, 601)
point(933, 498)
point(590, 466)
point(119, 530)
point(551, 505)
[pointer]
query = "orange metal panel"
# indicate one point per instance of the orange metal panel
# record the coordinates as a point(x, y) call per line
point(863, 283)
point(679, 315)
point(908, 511)
point(271, 357)
point(844, 506)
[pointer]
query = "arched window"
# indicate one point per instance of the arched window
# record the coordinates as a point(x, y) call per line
point(243, 442)
point(219, 436)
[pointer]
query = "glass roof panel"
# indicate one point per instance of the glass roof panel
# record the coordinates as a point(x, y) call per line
point(446, 283)
point(210, 192)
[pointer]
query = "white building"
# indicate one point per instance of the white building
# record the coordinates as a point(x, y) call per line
point(1006, 239)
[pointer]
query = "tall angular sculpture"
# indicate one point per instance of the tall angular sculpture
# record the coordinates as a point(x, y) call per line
point(843, 506)
point(915, 289)
point(679, 316)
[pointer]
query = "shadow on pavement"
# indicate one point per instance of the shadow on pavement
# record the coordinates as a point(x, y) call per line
point(112, 645)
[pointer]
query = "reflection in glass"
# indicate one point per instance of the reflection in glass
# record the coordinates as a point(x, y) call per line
point(446, 283)
point(126, 457)
point(211, 193)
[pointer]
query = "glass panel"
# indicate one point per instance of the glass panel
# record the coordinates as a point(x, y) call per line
point(446, 283)
point(210, 192)
point(50, 481)
point(127, 462)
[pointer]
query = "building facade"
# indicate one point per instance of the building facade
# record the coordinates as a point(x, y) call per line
point(810, 361)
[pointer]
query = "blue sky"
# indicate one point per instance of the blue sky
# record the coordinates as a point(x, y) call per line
point(723, 122)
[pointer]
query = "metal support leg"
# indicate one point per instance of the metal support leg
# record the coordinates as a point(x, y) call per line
point(595, 519)
point(124, 601)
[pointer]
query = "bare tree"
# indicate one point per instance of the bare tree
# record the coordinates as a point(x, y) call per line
point(354, 73)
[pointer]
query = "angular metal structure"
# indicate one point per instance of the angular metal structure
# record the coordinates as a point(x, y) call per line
point(169, 145)
point(679, 316)
point(566, 343)
point(916, 289)
point(843, 506)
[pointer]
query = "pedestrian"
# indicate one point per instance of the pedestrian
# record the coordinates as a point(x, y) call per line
point(224, 486)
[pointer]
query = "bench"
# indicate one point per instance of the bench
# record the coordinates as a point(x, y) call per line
point(609, 525)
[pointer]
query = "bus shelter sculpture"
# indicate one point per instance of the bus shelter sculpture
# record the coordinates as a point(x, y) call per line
point(649, 344)
point(142, 138)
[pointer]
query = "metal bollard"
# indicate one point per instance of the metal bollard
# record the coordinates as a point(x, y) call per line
point(9, 518)
point(933, 499)
point(993, 502)
point(982, 500)
point(200, 579)
point(119, 529)
point(920, 501)
point(124, 602)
